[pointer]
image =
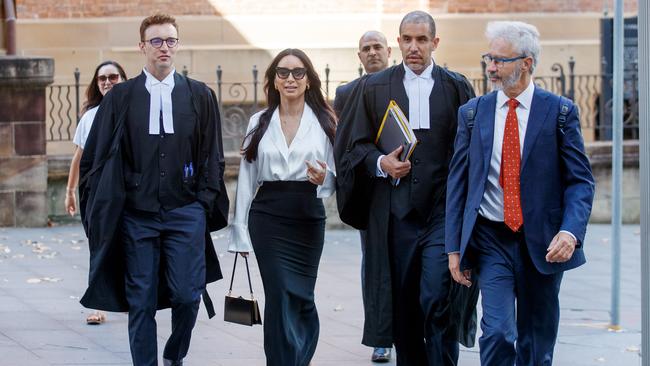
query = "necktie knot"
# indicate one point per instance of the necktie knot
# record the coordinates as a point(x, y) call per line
point(513, 103)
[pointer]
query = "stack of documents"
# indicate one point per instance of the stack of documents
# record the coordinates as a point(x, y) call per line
point(395, 131)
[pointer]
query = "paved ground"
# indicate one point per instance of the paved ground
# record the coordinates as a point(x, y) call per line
point(43, 272)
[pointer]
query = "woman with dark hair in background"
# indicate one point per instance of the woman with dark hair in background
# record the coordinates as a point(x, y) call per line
point(107, 74)
point(286, 170)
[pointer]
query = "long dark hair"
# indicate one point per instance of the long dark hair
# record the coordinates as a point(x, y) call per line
point(93, 95)
point(313, 97)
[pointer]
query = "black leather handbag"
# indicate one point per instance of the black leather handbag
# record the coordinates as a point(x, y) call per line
point(238, 309)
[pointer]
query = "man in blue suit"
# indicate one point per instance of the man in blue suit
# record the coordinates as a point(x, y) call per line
point(519, 196)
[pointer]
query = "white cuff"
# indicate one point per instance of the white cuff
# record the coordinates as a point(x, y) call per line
point(573, 236)
point(239, 240)
point(329, 184)
point(380, 172)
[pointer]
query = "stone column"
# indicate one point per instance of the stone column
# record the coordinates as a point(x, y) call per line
point(23, 160)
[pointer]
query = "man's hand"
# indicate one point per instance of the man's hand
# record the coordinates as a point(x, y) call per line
point(454, 267)
point(391, 165)
point(561, 248)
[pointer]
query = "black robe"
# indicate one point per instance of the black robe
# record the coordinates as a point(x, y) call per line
point(364, 201)
point(102, 192)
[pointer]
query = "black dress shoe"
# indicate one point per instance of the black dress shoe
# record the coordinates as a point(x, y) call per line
point(380, 355)
point(167, 362)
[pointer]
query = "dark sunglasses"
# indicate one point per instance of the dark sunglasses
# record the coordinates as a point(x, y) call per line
point(158, 42)
point(298, 73)
point(113, 78)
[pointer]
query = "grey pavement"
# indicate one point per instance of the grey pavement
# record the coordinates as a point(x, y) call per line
point(43, 273)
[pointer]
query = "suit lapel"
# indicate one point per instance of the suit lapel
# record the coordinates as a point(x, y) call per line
point(397, 91)
point(485, 123)
point(436, 90)
point(140, 104)
point(538, 111)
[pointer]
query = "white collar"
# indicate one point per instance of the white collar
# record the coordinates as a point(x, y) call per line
point(426, 74)
point(307, 120)
point(151, 80)
point(160, 99)
point(525, 99)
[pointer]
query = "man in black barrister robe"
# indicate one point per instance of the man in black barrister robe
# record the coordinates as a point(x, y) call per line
point(373, 54)
point(406, 223)
point(154, 191)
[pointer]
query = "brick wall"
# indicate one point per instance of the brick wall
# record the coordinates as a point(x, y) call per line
point(27, 9)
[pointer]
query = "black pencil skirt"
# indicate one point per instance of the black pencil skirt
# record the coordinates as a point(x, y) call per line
point(287, 229)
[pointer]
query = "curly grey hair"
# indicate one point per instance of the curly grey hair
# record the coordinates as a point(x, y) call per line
point(523, 37)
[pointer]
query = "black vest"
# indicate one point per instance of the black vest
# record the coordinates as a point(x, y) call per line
point(156, 167)
point(424, 188)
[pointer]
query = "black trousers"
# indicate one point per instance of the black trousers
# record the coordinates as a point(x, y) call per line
point(287, 228)
point(177, 238)
point(421, 281)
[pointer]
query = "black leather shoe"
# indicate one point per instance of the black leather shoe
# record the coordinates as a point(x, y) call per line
point(167, 362)
point(380, 355)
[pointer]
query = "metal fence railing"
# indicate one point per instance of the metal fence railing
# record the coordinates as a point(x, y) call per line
point(239, 100)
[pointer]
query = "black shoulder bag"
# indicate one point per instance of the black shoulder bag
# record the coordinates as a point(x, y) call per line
point(238, 309)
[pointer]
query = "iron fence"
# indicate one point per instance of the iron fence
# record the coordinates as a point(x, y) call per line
point(239, 100)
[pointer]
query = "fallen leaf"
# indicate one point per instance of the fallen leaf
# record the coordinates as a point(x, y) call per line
point(49, 279)
point(633, 349)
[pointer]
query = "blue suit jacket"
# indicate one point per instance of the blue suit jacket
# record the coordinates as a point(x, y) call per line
point(557, 187)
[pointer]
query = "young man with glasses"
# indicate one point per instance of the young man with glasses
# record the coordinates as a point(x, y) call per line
point(519, 196)
point(155, 191)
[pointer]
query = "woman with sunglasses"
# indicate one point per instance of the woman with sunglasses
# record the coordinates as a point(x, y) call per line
point(286, 170)
point(107, 74)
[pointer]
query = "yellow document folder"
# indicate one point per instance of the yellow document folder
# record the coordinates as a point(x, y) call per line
point(394, 131)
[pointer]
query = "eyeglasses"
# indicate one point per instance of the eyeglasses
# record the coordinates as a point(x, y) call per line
point(113, 78)
point(500, 61)
point(298, 73)
point(158, 42)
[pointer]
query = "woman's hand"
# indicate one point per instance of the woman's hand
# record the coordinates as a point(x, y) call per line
point(315, 174)
point(70, 202)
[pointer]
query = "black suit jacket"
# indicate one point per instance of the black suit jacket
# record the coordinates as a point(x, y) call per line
point(343, 95)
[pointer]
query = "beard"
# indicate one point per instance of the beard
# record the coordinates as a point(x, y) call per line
point(507, 82)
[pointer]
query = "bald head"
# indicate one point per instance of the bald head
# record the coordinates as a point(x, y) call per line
point(373, 35)
point(373, 51)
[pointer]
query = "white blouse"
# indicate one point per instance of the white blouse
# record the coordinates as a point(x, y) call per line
point(84, 126)
point(278, 162)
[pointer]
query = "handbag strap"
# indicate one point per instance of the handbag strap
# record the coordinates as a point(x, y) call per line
point(248, 273)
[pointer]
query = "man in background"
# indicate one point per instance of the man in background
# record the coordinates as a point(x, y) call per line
point(373, 54)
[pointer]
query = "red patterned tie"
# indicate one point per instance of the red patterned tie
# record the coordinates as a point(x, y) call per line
point(510, 168)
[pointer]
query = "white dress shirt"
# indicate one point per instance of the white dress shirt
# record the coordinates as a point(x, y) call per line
point(492, 203)
point(278, 162)
point(418, 90)
point(160, 99)
point(83, 127)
